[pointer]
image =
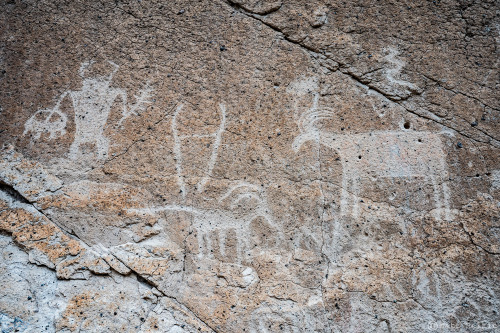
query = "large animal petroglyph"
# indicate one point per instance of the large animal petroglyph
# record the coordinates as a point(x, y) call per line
point(379, 154)
point(92, 105)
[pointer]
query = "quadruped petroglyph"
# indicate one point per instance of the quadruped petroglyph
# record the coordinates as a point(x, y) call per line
point(92, 105)
point(378, 154)
point(226, 232)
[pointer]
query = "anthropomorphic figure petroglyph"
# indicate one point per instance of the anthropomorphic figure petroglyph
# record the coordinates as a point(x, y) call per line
point(216, 228)
point(379, 154)
point(178, 142)
point(92, 105)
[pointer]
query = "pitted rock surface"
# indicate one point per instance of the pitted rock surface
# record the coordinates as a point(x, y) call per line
point(249, 166)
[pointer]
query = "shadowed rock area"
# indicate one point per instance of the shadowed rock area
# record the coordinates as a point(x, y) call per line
point(249, 166)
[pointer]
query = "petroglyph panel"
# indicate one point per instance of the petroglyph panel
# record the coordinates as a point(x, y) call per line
point(249, 166)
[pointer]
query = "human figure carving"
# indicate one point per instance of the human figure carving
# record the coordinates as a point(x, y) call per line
point(92, 105)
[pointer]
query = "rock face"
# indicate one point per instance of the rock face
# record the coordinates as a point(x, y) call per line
point(249, 166)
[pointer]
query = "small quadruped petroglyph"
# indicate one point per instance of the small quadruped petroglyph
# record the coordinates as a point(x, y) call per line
point(223, 233)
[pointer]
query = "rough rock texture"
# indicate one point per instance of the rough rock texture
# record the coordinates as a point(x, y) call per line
point(249, 166)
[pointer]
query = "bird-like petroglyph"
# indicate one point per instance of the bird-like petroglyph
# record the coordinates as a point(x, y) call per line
point(393, 72)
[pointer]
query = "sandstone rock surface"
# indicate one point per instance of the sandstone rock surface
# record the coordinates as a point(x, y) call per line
point(250, 166)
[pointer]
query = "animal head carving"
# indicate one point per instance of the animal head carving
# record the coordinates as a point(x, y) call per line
point(307, 124)
point(244, 192)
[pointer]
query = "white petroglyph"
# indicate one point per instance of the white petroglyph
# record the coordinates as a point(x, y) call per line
point(215, 227)
point(393, 73)
point(178, 138)
point(92, 105)
point(50, 121)
point(177, 151)
point(427, 286)
point(304, 86)
point(306, 121)
point(249, 275)
point(379, 154)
